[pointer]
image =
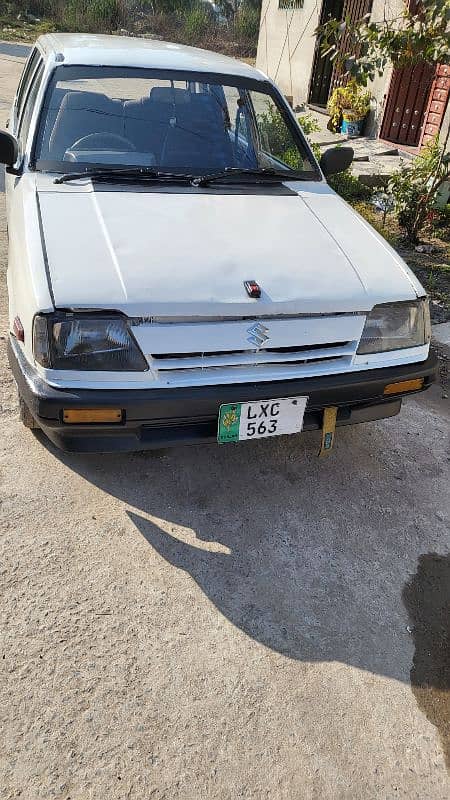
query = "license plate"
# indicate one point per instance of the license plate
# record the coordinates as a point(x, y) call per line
point(261, 418)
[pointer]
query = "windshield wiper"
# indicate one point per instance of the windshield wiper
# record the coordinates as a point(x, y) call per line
point(263, 175)
point(124, 173)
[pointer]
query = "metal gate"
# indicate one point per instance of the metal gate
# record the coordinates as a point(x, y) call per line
point(407, 102)
point(325, 77)
point(322, 70)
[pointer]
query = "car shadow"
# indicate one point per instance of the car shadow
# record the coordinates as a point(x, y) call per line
point(427, 600)
point(304, 555)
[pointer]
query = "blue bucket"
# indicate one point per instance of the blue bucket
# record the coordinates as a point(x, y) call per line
point(352, 128)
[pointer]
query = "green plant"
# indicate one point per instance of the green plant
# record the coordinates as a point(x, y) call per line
point(349, 187)
point(370, 215)
point(196, 22)
point(441, 221)
point(415, 185)
point(246, 23)
point(274, 131)
point(351, 98)
point(91, 15)
point(310, 125)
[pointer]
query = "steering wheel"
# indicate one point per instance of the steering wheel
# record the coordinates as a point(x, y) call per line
point(103, 141)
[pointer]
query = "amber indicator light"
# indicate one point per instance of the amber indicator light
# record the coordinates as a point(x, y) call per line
point(404, 386)
point(85, 415)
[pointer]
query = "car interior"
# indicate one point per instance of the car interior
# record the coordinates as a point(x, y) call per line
point(170, 127)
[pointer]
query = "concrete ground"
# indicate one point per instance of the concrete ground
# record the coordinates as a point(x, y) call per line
point(373, 158)
point(225, 622)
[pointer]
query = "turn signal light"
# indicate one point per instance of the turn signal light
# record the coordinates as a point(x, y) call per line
point(18, 330)
point(86, 415)
point(404, 386)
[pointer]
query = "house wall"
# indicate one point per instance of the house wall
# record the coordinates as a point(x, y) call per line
point(286, 46)
point(286, 50)
point(445, 130)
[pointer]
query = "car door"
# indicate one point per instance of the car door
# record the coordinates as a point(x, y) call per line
point(27, 74)
point(23, 249)
point(22, 114)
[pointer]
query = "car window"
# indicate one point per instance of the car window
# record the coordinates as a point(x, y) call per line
point(25, 80)
point(276, 139)
point(169, 120)
point(28, 108)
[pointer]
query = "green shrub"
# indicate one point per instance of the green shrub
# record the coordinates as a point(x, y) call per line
point(310, 125)
point(375, 220)
point(91, 15)
point(415, 187)
point(441, 221)
point(351, 98)
point(246, 23)
point(274, 131)
point(197, 21)
point(349, 187)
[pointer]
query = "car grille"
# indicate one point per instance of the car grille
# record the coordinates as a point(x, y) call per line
point(235, 358)
point(224, 351)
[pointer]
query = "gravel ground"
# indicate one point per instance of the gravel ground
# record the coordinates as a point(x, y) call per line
point(221, 623)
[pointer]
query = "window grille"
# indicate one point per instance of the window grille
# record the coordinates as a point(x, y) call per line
point(290, 5)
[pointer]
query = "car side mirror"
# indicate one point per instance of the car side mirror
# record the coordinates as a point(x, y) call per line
point(9, 149)
point(336, 159)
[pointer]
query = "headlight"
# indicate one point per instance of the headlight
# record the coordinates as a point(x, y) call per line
point(394, 326)
point(83, 342)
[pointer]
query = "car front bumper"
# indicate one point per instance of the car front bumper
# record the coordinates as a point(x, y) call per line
point(154, 418)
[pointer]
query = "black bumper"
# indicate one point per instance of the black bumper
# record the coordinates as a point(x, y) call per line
point(162, 417)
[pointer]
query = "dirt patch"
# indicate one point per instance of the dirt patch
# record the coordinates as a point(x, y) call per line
point(431, 263)
point(433, 271)
point(427, 600)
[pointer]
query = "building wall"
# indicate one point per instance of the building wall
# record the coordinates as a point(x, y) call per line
point(286, 50)
point(445, 130)
point(286, 46)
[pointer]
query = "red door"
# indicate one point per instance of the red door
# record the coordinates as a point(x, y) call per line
point(407, 103)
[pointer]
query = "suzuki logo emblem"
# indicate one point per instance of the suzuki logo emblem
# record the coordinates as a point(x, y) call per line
point(257, 333)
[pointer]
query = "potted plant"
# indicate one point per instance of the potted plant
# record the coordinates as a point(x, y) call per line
point(348, 107)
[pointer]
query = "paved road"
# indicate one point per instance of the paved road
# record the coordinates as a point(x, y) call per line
point(16, 50)
point(228, 622)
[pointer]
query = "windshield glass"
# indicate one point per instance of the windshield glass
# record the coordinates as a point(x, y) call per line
point(188, 122)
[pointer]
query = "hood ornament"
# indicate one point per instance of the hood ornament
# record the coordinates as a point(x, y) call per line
point(258, 334)
point(252, 288)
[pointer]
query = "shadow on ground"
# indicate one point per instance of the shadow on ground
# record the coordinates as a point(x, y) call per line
point(306, 556)
point(427, 599)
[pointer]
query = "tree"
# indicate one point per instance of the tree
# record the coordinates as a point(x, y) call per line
point(365, 47)
point(231, 7)
point(362, 49)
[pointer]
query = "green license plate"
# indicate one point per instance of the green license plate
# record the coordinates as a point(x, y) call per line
point(260, 419)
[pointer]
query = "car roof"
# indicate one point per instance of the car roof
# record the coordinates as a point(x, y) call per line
point(126, 51)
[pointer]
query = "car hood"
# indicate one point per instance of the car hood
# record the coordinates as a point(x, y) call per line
point(157, 251)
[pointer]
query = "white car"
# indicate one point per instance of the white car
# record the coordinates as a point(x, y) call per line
point(179, 269)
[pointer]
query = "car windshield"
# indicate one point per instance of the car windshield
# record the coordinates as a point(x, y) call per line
point(187, 122)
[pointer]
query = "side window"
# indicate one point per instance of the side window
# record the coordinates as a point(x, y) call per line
point(27, 75)
point(28, 107)
point(276, 138)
